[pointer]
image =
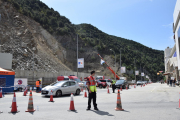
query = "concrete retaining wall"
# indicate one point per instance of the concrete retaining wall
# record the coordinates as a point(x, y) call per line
point(37, 74)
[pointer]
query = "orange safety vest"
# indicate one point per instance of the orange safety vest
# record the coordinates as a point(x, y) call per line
point(92, 84)
point(37, 83)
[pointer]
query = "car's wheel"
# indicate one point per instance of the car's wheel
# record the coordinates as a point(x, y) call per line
point(100, 86)
point(77, 91)
point(58, 93)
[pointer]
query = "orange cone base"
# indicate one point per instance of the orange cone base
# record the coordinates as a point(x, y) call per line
point(30, 110)
point(118, 109)
point(50, 101)
point(14, 112)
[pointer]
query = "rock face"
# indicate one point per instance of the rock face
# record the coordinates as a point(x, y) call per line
point(26, 39)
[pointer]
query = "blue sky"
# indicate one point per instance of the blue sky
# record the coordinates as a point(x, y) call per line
point(148, 22)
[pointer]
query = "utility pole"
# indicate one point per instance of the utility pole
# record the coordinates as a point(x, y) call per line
point(33, 61)
point(120, 62)
point(0, 39)
point(141, 71)
point(77, 55)
point(135, 69)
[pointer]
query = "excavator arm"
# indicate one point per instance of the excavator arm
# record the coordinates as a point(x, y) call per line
point(117, 77)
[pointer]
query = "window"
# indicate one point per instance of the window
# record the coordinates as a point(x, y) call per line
point(72, 83)
point(67, 83)
point(77, 80)
point(58, 83)
point(66, 78)
point(102, 80)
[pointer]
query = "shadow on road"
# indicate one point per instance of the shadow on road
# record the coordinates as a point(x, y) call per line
point(103, 113)
point(31, 113)
point(75, 111)
point(63, 96)
point(125, 111)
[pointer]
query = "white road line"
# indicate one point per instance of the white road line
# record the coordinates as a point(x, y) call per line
point(153, 89)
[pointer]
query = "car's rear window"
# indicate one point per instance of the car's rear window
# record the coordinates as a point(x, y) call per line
point(102, 80)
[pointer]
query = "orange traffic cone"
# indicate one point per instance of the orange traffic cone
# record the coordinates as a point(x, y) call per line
point(51, 96)
point(119, 106)
point(81, 89)
point(108, 89)
point(85, 94)
point(24, 92)
point(1, 93)
point(134, 86)
point(141, 85)
point(14, 106)
point(126, 87)
point(71, 108)
point(30, 104)
point(121, 88)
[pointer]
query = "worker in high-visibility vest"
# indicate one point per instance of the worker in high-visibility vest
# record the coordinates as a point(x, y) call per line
point(113, 85)
point(92, 91)
point(37, 85)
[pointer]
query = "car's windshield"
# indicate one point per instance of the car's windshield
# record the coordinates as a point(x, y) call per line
point(99, 78)
point(120, 81)
point(77, 80)
point(58, 83)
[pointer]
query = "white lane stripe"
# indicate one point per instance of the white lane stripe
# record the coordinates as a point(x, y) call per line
point(153, 89)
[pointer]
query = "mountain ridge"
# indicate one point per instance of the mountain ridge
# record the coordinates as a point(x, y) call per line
point(90, 39)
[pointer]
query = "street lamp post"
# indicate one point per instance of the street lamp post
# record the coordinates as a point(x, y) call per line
point(141, 71)
point(120, 62)
point(77, 55)
point(33, 61)
point(115, 64)
point(0, 39)
point(135, 69)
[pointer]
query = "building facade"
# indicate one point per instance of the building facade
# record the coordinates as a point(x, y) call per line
point(172, 55)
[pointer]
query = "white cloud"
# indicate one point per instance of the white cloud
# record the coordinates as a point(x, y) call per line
point(168, 25)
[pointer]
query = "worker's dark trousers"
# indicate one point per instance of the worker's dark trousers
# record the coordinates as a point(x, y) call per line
point(113, 88)
point(92, 95)
point(37, 89)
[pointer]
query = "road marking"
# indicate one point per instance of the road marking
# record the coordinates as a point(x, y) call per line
point(153, 89)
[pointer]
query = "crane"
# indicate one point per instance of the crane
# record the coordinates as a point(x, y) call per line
point(117, 77)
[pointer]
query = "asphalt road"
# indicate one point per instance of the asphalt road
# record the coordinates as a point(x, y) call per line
point(152, 102)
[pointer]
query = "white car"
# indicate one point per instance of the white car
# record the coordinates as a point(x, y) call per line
point(60, 88)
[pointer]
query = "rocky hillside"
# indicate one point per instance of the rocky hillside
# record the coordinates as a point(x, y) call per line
point(29, 24)
point(22, 36)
